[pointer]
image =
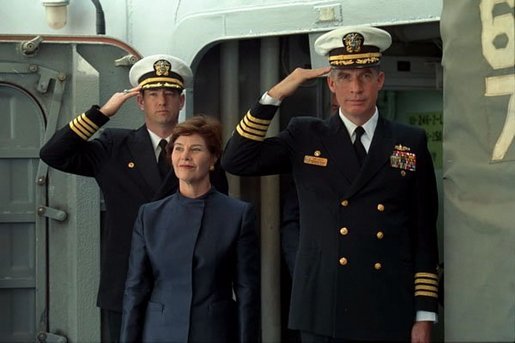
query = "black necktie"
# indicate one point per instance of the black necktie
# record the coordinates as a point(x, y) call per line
point(361, 153)
point(162, 161)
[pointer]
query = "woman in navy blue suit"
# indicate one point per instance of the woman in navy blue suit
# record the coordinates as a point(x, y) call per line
point(194, 264)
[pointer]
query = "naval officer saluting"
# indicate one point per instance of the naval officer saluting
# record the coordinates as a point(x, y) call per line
point(366, 268)
point(124, 163)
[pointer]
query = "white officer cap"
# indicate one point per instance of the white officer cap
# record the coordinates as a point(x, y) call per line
point(160, 71)
point(353, 46)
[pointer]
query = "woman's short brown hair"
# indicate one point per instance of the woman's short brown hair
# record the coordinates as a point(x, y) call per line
point(207, 127)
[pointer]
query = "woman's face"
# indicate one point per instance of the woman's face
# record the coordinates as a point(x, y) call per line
point(191, 159)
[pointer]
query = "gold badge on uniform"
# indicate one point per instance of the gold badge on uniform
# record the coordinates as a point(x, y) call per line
point(402, 158)
point(162, 67)
point(401, 147)
point(316, 160)
point(353, 42)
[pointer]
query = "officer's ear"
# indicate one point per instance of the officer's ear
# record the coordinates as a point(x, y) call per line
point(182, 100)
point(380, 79)
point(140, 101)
point(330, 83)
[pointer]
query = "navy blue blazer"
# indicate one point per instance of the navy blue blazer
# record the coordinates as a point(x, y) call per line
point(367, 256)
point(187, 257)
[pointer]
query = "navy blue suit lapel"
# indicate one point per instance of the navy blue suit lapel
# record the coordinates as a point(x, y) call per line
point(339, 146)
point(142, 151)
point(378, 155)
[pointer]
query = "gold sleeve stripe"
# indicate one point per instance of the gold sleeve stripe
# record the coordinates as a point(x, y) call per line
point(426, 294)
point(251, 130)
point(78, 126)
point(426, 288)
point(426, 281)
point(254, 125)
point(90, 123)
point(248, 135)
point(75, 124)
point(77, 131)
point(85, 126)
point(257, 120)
point(429, 275)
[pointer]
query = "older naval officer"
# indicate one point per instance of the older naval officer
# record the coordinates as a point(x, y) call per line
point(366, 268)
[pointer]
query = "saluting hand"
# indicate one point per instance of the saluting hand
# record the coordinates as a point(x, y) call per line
point(291, 82)
point(117, 100)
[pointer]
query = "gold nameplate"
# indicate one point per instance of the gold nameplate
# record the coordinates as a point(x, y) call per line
point(316, 161)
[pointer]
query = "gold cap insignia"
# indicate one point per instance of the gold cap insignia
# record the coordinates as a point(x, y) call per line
point(353, 42)
point(162, 67)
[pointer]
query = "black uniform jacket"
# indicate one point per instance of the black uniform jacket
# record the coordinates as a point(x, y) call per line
point(123, 163)
point(367, 249)
point(187, 257)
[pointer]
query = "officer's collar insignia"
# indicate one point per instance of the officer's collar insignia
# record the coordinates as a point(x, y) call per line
point(162, 67)
point(353, 42)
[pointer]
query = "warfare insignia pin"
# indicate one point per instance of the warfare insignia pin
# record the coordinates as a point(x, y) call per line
point(401, 147)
